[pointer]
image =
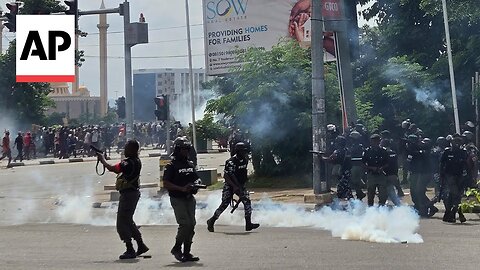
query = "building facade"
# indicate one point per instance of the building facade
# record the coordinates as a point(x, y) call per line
point(73, 104)
point(173, 82)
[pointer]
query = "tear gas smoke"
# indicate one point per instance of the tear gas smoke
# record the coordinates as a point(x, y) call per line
point(381, 225)
point(181, 110)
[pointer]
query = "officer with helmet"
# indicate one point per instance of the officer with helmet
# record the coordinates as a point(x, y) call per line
point(473, 153)
point(179, 179)
point(235, 175)
point(358, 178)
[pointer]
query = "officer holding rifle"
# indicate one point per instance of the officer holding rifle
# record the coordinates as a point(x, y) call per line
point(235, 175)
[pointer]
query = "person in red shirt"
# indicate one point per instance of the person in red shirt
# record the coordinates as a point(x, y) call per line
point(6, 152)
point(27, 143)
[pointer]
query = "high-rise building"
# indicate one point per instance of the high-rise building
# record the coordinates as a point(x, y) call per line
point(173, 82)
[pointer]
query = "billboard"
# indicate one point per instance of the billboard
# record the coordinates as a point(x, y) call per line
point(232, 26)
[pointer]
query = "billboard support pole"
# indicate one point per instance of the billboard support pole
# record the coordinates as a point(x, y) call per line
point(318, 101)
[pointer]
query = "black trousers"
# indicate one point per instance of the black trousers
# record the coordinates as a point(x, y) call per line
point(126, 227)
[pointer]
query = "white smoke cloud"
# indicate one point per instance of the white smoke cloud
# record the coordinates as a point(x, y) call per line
point(358, 222)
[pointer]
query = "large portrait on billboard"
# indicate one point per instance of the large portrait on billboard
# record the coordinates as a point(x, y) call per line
point(232, 26)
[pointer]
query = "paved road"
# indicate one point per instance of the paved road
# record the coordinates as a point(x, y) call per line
point(47, 222)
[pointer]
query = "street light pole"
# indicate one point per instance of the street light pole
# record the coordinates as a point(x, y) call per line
point(190, 71)
point(450, 65)
point(128, 71)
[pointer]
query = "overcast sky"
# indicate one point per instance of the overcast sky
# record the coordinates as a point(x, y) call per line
point(167, 47)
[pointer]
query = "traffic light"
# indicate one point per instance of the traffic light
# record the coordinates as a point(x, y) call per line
point(72, 10)
point(11, 23)
point(162, 108)
point(121, 107)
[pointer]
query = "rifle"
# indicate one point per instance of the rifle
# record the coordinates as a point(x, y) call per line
point(98, 151)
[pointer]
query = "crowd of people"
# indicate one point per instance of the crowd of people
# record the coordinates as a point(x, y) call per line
point(72, 141)
point(360, 160)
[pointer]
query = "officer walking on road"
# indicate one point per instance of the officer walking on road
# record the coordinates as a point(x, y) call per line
point(358, 170)
point(235, 175)
point(453, 165)
point(128, 184)
point(375, 159)
point(179, 179)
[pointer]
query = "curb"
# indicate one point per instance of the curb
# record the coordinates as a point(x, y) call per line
point(45, 162)
point(16, 164)
point(75, 160)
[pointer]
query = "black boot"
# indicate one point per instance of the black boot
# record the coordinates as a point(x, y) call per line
point(129, 253)
point(187, 256)
point(461, 217)
point(210, 224)
point(142, 248)
point(249, 225)
point(177, 251)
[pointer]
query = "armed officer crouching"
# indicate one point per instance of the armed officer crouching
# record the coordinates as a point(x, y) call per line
point(235, 175)
point(128, 171)
point(179, 179)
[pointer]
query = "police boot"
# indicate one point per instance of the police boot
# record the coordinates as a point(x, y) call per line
point(129, 253)
point(187, 256)
point(177, 251)
point(461, 217)
point(142, 248)
point(210, 223)
point(249, 225)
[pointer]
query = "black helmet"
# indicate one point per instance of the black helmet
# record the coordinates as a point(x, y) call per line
point(241, 146)
point(468, 135)
point(180, 143)
point(355, 135)
point(441, 141)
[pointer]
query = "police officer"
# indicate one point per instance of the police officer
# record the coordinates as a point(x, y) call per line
point(391, 172)
point(472, 162)
point(436, 154)
point(357, 180)
point(453, 165)
point(179, 179)
point(418, 166)
point(235, 175)
point(375, 159)
point(342, 160)
point(129, 171)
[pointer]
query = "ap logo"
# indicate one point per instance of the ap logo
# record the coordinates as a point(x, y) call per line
point(45, 48)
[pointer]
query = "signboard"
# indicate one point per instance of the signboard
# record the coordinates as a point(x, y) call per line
point(45, 48)
point(232, 26)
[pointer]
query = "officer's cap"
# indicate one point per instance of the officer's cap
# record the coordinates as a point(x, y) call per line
point(470, 124)
point(385, 133)
point(412, 137)
point(355, 134)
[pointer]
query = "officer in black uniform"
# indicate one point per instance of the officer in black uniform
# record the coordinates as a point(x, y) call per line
point(235, 175)
point(436, 154)
point(128, 169)
point(179, 179)
point(357, 180)
point(375, 159)
point(453, 166)
point(342, 160)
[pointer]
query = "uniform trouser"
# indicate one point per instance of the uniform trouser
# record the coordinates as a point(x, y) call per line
point(375, 182)
point(392, 195)
point(418, 188)
point(453, 199)
point(358, 172)
point(227, 195)
point(184, 209)
point(126, 227)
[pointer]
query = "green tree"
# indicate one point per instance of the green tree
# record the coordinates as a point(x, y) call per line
point(24, 102)
point(270, 97)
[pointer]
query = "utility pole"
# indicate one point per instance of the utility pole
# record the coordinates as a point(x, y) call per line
point(128, 70)
point(450, 66)
point(318, 100)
